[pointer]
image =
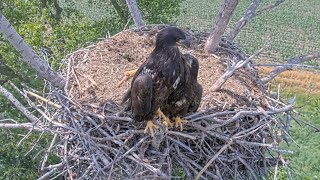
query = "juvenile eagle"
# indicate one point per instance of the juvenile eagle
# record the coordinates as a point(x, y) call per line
point(157, 77)
point(187, 96)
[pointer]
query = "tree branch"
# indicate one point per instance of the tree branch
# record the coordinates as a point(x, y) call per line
point(220, 25)
point(18, 105)
point(25, 126)
point(57, 106)
point(135, 13)
point(270, 7)
point(250, 13)
point(29, 56)
point(219, 83)
point(213, 159)
point(291, 63)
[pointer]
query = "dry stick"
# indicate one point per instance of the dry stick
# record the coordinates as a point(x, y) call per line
point(250, 13)
point(213, 159)
point(296, 60)
point(77, 80)
point(37, 109)
point(148, 166)
point(135, 13)
point(58, 175)
point(302, 66)
point(60, 165)
point(248, 167)
point(128, 152)
point(134, 156)
point(68, 73)
point(47, 152)
point(26, 126)
point(65, 153)
point(25, 137)
point(44, 99)
point(34, 144)
point(276, 170)
point(317, 129)
point(182, 134)
point(18, 105)
point(183, 165)
point(87, 171)
point(199, 113)
point(50, 120)
point(181, 144)
point(219, 83)
point(218, 172)
point(48, 174)
point(116, 118)
point(214, 115)
point(254, 113)
point(12, 120)
point(270, 7)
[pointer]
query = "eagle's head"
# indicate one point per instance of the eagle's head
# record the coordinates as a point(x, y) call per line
point(171, 36)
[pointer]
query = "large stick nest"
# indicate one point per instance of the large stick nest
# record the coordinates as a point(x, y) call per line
point(235, 134)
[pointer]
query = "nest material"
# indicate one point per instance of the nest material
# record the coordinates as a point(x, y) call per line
point(235, 134)
point(97, 70)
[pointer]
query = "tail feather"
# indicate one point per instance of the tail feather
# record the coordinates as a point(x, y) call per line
point(126, 96)
point(141, 95)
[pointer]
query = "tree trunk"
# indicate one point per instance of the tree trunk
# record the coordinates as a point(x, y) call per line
point(250, 13)
point(220, 24)
point(122, 9)
point(29, 56)
point(135, 13)
point(57, 15)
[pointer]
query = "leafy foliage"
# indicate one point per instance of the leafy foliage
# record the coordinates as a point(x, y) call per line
point(53, 32)
point(159, 11)
point(16, 162)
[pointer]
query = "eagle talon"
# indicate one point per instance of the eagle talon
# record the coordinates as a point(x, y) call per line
point(150, 126)
point(179, 121)
point(166, 120)
point(127, 76)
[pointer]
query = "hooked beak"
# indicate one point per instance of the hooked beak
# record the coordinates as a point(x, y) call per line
point(184, 42)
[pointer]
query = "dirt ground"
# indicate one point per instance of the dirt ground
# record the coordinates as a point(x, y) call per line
point(95, 71)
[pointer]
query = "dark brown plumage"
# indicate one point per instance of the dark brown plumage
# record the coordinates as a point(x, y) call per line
point(196, 87)
point(186, 98)
point(158, 76)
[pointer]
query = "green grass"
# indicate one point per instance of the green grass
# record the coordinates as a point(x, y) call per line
point(305, 162)
point(291, 29)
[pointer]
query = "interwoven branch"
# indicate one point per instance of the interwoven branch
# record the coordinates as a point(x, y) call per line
point(104, 142)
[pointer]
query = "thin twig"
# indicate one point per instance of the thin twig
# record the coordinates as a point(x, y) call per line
point(219, 83)
point(213, 159)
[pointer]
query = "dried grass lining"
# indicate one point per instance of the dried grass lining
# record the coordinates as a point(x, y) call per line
point(234, 135)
